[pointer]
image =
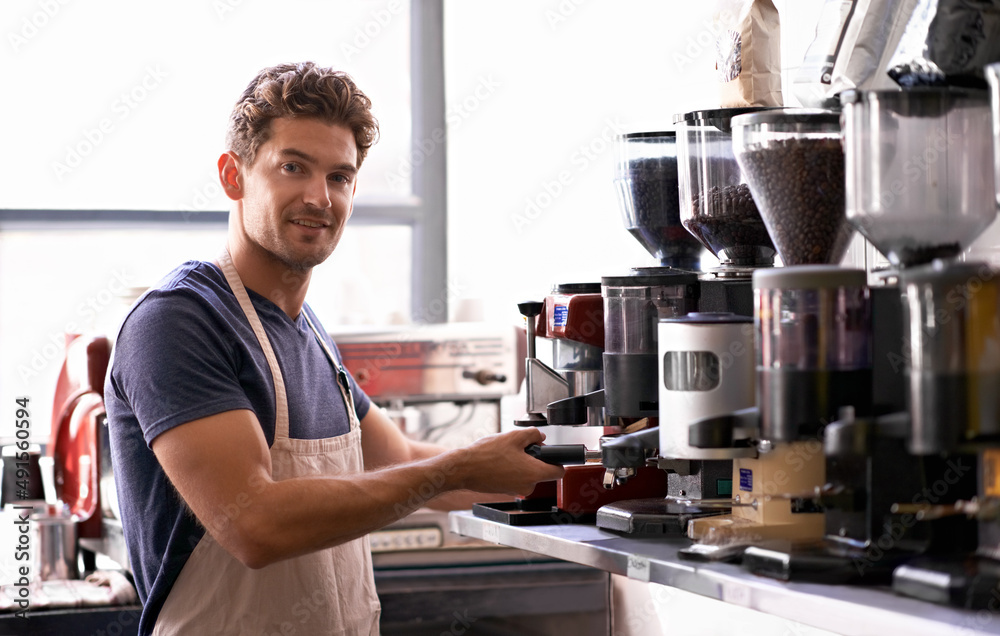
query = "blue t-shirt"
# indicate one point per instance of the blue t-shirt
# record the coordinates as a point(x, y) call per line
point(184, 352)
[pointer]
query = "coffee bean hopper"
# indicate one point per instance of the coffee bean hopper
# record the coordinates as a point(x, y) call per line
point(952, 319)
point(647, 182)
point(715, 200)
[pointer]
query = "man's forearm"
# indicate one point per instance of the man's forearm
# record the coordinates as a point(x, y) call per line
point(284, 519)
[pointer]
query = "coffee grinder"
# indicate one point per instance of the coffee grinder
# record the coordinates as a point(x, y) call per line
point(705, 368)
point(646, 181)
point(569, 392)
point(716, 208)
point(604, 340)
point(812, 331)
point(953, 322)
point(572, 318)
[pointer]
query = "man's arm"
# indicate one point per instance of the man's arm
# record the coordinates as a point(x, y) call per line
point(221, 467)
point(385, 445)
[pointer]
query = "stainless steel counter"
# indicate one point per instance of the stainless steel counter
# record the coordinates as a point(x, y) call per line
point(849, 610)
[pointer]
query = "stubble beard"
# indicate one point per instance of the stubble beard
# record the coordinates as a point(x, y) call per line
point(278, 249)
point(299, 264)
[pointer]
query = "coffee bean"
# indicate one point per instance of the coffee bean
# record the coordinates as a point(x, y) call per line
point(726, 220)
point(650, 195)
point(799, 185)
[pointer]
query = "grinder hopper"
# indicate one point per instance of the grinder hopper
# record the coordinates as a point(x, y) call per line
point(918, 179)
point(794, 164)
point(716, 205)
point(646, 183)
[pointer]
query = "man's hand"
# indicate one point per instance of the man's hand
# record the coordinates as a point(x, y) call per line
point(385, 445)
point(498, 464)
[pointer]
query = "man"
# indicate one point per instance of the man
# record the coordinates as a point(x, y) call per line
point(247, 485)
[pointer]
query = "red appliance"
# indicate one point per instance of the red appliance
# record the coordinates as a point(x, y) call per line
point(77, 414)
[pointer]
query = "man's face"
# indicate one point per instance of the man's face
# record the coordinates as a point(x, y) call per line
point(299, 192)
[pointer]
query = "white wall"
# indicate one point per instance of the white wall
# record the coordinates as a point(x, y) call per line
point(535, 92)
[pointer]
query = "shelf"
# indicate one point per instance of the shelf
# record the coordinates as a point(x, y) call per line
point(848, 610)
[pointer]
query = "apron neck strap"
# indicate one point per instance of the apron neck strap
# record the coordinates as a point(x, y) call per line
point(342, 380)
point(280, 397)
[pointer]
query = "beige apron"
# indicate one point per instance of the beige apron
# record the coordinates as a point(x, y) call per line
point(327, 592)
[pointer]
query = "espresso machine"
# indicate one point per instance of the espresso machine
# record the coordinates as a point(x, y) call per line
point(953, 322)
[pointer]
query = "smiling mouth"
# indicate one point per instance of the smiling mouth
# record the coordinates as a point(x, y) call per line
point(308, 223)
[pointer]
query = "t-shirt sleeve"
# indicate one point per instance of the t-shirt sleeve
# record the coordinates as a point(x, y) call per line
point(175, 362)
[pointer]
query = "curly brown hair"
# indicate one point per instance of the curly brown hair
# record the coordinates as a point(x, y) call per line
point(299, 90)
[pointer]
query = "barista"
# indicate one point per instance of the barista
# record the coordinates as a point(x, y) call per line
point(249, 465)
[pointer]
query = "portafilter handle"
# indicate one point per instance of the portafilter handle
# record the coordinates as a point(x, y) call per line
point(562, 454)
point(530, 309)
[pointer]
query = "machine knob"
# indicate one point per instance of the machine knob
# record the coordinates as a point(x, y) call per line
point(530, 308)
point(484, 376)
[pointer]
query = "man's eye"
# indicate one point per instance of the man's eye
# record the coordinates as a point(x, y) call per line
point(290, 167)
point(340, 178)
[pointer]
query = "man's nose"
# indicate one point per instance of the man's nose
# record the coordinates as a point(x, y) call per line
point(317, 193)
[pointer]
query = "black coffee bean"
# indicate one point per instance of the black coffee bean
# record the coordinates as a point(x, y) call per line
point(651, 189)
point(726, 219)
point(799, 186)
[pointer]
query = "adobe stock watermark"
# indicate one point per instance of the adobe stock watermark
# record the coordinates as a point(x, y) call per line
point(915, 170)
point(89, 309)
point(202, 199)
point(223, 8)
point(638, 618)
point(704, 40)
point(562, 12)
point(455, 115)
point(975, 621)
point(32, 25)
point(366, 33)
point(581, 159)
point(896, 530)
point(437, 308)
point(955, 302)
point(92, 138)
point(302, 611)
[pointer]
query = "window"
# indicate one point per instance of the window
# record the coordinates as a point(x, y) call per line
point(109, 179)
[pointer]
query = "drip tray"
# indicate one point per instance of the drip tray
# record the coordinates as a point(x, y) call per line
point(967, 581)
point(537, 513)
point(652, 517)
point(823, 561)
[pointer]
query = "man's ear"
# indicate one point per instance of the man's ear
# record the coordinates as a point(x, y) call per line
point(231, 175)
